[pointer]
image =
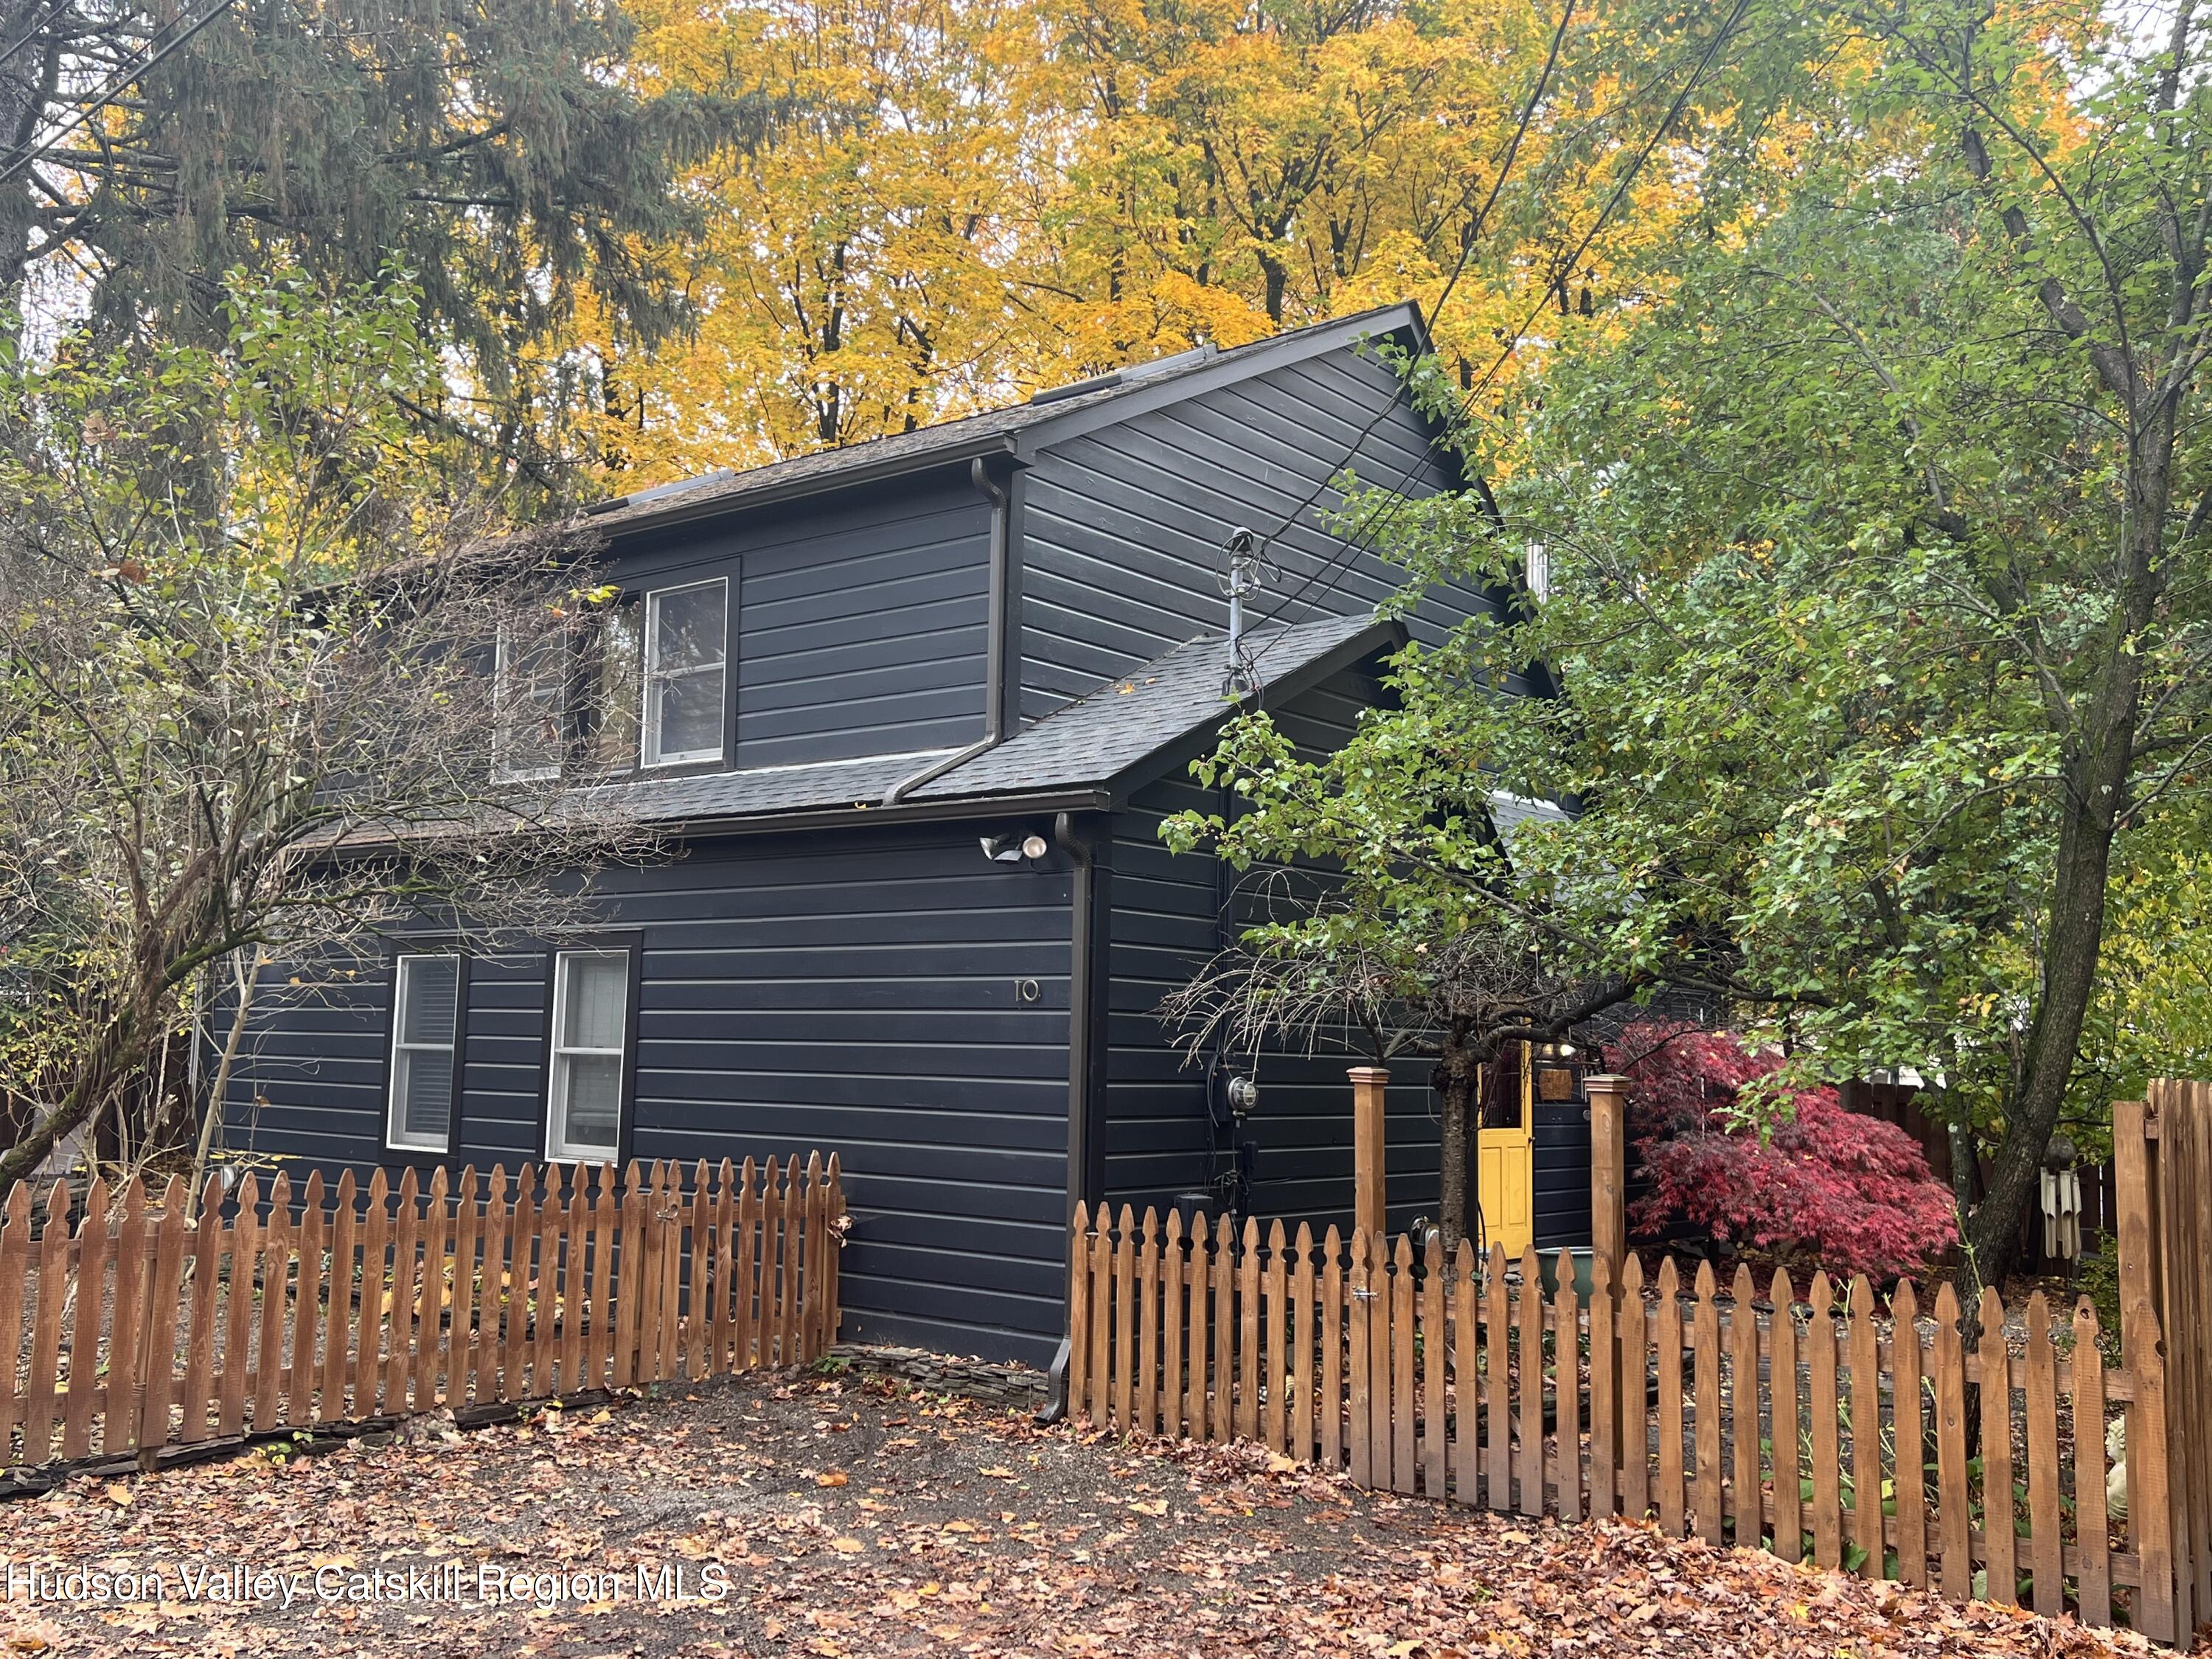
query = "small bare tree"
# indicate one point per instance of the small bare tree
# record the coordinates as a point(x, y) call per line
point(1339, 970)
point(250, 695)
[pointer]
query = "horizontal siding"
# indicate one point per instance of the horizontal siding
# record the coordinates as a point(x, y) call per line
point(856, 992)
point(861, 617)
point(1160, 1140)
point(1123, 526)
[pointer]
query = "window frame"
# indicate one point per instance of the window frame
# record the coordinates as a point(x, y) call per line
point(649, 758)
point(502, 651)
point(393, 1140)
point(558, 1148)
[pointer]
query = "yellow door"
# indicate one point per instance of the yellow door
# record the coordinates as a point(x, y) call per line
point(1503, 1163)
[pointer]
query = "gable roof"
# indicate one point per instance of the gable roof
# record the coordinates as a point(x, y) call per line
point(1018, 430)
point(1076, 757)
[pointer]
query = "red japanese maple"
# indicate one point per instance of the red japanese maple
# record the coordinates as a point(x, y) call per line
point(1849, 1193)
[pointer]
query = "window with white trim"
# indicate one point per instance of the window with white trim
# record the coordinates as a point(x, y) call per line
point(426, 997)
point(529, 707)
point(591, 1021)
point(686, 672)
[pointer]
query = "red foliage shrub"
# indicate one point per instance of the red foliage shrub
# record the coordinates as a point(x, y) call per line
point(1850, 1192)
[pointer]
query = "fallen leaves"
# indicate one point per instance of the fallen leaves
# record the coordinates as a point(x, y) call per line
point(945, 1528)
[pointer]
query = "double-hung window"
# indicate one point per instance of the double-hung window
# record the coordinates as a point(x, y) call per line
point(686, 672)
point(529, 707)
point(425, 1023)
point(591, 1020)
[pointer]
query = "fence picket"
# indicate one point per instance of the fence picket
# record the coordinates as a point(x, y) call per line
point(15, 1273)
point(2000, 1547)
point(118, 1428)
point(2042, 1438)
point(1302, 1338)
point(1706, 1364)
point(1248, 1334)
point(275, 1294)
point(1604, 1394)
point(1823, 1409)
point(1496, 1382)
point(243, 1237)
point(1174, 1302)
point(1782, 1395)
point(38, 1409)
point(1360, 1370)
point(1379, 1426)
point(1125, 1316)
point(1436, 1347)
point(1146, 1395)
point(159, 1347)
point(1744, 1509)
point(1332, 1352)
point(363, 1313)
point(406, 1236)
point(1866, 1430)
point(2091, 1523)
point(1530, 1417)
point(1403, 1427)
point(1951, 1509)
point(1566, 1340)
point(90, 1302)
point(1221, 1414)
point(1670, 1349)
point(1635, 1394)
point(1275, 1327)
point(306, 1304)
point(1467, 1398)
point(1909, 1434)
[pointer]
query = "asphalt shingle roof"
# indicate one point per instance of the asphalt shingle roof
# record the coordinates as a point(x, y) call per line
point(1087, 744)
point(1099, 737)
point(969, 434)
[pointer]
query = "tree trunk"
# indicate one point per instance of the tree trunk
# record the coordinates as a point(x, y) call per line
point(1454, 1081)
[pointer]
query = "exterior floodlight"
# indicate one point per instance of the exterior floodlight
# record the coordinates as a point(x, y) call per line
point(1032, 846)
point(1012, 849)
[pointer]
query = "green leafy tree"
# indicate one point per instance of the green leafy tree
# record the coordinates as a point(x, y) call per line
point(1873, 569)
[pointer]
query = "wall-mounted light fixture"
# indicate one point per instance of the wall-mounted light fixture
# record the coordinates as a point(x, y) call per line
point(1012, 849)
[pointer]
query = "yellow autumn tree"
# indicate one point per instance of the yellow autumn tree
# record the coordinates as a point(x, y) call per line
point(961, 200)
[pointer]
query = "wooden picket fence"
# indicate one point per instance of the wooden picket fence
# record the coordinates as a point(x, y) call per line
point(140, 1327)
point(1758, 1421)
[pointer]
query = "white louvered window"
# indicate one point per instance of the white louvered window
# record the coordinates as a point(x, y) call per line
point(591, 1019)
point(425, 1020)
point(686, 672)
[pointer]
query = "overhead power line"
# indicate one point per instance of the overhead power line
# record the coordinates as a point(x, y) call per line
point(1340, 563)
point(24, 156)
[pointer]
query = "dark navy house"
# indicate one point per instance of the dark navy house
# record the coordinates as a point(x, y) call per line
point(912, 714)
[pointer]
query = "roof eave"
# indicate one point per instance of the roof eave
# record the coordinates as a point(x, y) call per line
point(680, 511)
point(1263, 357)
point(1388, 634)
point(1081, 799)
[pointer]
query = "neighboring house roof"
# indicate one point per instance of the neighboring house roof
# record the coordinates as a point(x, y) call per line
point(1082, 751)
point(1017, 430)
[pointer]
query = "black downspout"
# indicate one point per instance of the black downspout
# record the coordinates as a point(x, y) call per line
point(1088, 976)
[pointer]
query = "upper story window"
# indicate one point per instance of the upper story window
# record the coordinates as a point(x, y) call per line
point(529, 707)
point(636, 682)
point(686, 672)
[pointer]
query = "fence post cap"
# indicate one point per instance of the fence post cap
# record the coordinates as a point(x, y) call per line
point(1368, 1073)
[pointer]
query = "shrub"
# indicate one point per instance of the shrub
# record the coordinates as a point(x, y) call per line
point(1850, 1192)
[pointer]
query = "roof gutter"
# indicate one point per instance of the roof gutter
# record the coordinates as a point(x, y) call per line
point(995, 660)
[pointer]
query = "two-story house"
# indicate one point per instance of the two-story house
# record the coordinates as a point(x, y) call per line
point(909, 714)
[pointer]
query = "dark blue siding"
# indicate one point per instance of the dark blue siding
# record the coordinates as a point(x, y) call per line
point(1165, 924)
point(1122, 527)
point(861, 618)
point(856, 992)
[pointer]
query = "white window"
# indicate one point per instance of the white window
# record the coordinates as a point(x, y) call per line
point(591, 1016)
point(528, 702)
point(686, 672)
point(426, 995)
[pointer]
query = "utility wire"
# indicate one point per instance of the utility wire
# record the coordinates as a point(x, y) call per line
point(38, 24)
point(129, 73)
point(1459, 269)
point(1340, 562)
